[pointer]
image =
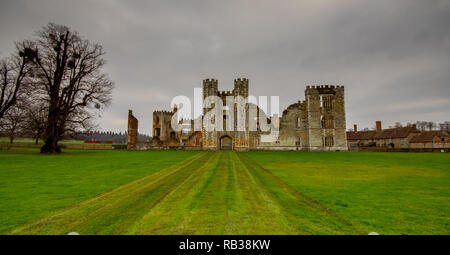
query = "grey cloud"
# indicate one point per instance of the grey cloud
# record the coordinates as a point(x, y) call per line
point(387, 53)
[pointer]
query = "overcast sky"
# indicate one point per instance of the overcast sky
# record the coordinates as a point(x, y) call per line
point(392, 56)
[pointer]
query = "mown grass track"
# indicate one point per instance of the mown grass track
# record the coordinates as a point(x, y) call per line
point(209, 193)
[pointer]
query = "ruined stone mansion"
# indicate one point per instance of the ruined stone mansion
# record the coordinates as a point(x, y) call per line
point(316, 123)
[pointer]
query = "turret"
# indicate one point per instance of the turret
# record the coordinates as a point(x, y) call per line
point(241, 87)
point(210, 87)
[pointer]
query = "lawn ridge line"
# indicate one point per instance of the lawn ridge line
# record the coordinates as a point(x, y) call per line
point(248, 161)
point(208, 181)
point(191, 176)
point(216, 157)
point(159, 199)
point(64, 211)
point(262, 193)
point(231, 182)
point(176, 166)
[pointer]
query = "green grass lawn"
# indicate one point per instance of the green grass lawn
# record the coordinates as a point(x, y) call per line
point(187, 192)
point(32, 185)
point(389, 193)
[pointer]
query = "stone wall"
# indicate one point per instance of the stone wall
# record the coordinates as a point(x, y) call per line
point(318, 123)
point(162, 127)
point(132, 130)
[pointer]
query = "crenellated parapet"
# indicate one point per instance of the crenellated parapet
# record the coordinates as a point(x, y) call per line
point(323, 86)
point(163, 112)
point(210, 87)
point(210, 81)
point(241, 87)
point(224, 94)
point(323, 89)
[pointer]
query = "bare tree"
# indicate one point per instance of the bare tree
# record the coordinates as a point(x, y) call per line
point(431, 125)
point(445, 126)
point(13, 122)
point(69, 77)
point(13, 73)
point(398, 124)
point(79, 122)
point(421, 125)
point(36, 118)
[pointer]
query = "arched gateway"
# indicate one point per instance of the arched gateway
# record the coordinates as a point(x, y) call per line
point(226, 143)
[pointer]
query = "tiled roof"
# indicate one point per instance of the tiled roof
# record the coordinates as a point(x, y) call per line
point(390, 133)
point(428, 136)
point(400, 132)
point(361, 135)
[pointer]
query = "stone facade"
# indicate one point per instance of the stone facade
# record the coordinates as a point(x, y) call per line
point(163, 133)
point(317, 123)
point(132, 131)
point(236, 140)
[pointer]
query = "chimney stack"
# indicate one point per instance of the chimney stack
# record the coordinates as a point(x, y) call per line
point(355, 128)
point(378, 125)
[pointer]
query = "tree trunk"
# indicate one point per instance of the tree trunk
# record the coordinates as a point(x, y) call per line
point(51, 134)
point(51, 146)
point(36, 140)
point(11, 139)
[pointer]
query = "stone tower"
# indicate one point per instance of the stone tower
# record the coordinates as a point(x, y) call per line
point(241, 138)
point(132, 131)
point(326, 117)
point(241, 87)
point(210, 88)
point(209, 139)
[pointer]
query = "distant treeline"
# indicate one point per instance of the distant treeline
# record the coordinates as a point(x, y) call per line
point(120, 137)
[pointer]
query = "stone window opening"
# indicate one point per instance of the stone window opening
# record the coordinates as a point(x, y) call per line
point(157, 132)
point(326, 102)
point(157, 120)
point(299, 121)
point(256, 141)
point(328, 141)
point(327, 122)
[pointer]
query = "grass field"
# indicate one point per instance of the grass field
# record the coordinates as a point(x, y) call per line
point(32, 185)
point(186, 192)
